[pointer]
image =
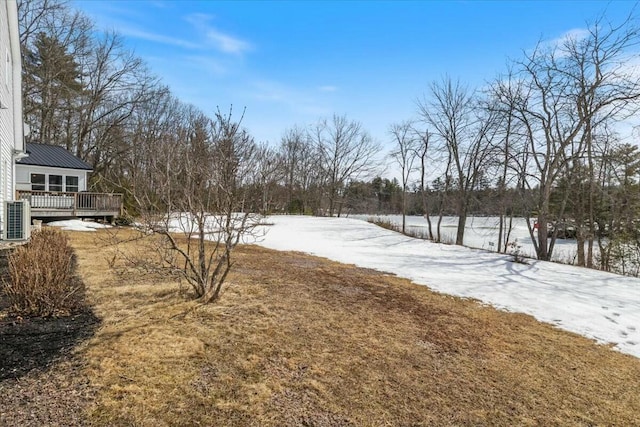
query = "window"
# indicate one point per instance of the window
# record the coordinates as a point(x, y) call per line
point(37, 182)
point(55, 182)
point(71, 184)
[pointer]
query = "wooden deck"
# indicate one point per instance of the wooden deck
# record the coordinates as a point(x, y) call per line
point(81, 205)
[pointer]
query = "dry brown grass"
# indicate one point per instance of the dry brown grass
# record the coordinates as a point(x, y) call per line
point(298, 340)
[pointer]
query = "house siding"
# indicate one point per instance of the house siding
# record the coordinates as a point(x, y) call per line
point(23, 175)
point(11, 123)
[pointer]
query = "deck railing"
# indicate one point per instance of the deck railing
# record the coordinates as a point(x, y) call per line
point(74, 202)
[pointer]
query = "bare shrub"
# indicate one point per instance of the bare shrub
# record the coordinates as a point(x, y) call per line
point(41, 276)
point(515, 250)
point(192, 203)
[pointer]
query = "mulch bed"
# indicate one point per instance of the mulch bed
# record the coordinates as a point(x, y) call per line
point(40, 376)
point(27, 344)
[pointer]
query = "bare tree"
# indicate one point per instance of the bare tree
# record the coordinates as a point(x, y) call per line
point(569, 87)
point(36, 16)
point(292, 151)
point(268, 173)
point(116, 83)
point(404, 156)
point(503, 95)
point(465, 132)
point(81, 86)
point(301, 170)
point(422, 152)
point(346, 153)
point(197, 210)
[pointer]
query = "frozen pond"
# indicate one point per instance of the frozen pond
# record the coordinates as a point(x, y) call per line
point(482, 233)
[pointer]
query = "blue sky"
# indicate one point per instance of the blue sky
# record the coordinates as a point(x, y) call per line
point(291, 63)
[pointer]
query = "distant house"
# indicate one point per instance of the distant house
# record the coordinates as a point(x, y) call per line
point(54, 181)
point(11, 122)
point(51, 168)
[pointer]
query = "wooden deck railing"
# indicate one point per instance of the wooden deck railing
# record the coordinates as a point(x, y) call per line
point(73, 202)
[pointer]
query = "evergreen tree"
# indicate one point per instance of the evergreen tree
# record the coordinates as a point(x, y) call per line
point(52, 89)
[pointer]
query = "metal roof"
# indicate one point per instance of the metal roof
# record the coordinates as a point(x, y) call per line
point(53, 156)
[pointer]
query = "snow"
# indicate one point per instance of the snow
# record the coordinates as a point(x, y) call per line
point(77, 225)
point(595, 304)
point(482, 233)
point(184, 222)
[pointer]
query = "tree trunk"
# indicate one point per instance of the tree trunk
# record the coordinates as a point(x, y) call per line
point(500, 231)
point(590, 252)
point(462, 221)
point(542, 240)
point(580, 240)
point(508, 233)
point(428, 217)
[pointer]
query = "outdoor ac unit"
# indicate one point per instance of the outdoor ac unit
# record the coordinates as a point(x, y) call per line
point(17, 220)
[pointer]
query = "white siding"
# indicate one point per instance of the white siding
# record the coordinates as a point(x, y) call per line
point(6, 113)
point(23, 175)
point(10, 100)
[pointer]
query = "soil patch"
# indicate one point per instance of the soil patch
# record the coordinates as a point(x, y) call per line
point(27, 344)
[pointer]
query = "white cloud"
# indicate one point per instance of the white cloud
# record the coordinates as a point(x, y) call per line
point(572, 35)
point(159, 38)
point(559, 44)
point(210, 37)
point(227, 43)
point(219, 40)
point(328, 88)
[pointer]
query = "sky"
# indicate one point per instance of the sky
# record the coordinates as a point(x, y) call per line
point(292, 63)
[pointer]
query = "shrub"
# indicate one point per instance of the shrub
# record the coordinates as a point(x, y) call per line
point(41, 276)
point(515, 250)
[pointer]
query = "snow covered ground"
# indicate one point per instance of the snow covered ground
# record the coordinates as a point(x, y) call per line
point(482, 233)
point(598, 305)
point(77, 225)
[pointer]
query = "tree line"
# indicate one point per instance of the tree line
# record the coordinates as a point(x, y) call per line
point(538, 142)
point(546, 127)
point(84, 90)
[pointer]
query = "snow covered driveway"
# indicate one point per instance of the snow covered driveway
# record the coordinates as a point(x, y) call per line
point(598, 305)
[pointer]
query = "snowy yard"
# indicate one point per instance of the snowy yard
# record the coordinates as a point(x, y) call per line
point(482, 233)
point(598, 305)
point(77, 225)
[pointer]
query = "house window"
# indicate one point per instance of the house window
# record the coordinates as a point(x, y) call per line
point(37, 182)
point(71, 184)
point(55, 182)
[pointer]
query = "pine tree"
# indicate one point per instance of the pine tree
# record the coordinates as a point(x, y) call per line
point(52, 90)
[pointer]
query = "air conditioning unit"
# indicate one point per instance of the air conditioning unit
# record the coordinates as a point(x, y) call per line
point(17, 220)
